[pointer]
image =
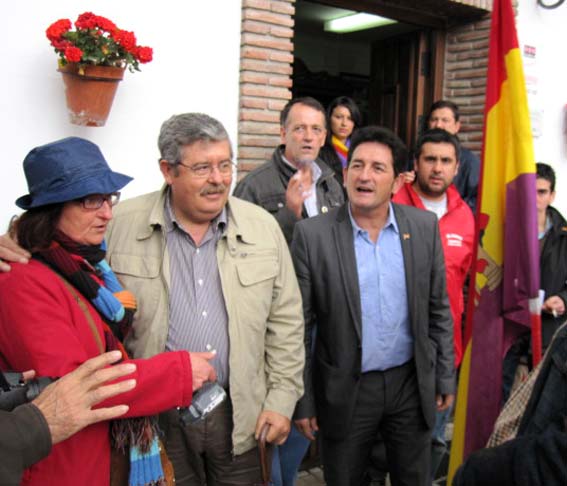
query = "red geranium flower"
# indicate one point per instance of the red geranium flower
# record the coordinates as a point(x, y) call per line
point(73, 54)
point(56, 30)
point(96, 41)
point(144, 54)
point(105, 24)
point(86, 20)
point(126, 39)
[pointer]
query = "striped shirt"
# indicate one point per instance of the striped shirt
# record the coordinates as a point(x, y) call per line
point(198, 320)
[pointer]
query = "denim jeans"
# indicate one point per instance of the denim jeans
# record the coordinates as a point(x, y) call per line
point(287, 458)
point(438, 442)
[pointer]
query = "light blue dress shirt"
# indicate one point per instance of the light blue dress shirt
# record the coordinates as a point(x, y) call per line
point(387, 339)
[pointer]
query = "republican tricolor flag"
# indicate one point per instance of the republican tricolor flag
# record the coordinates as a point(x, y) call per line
point(505, 274)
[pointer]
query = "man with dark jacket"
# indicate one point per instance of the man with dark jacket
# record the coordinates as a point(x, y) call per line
point(552, 231)
point(552, 234)
point(372, 279)
point(296, 183)
point(537, 456)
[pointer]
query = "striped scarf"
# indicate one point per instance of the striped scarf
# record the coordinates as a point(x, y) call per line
point(341, 149)
point(86, 269)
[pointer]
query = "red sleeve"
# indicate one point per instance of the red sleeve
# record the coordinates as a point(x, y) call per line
point(162, 382)
point(43, 328)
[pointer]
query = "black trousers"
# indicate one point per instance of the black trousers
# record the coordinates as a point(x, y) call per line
point(201, 453)
point(388, 402)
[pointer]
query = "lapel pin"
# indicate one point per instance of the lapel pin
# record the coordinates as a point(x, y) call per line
point(324, 209)
point(406, 236)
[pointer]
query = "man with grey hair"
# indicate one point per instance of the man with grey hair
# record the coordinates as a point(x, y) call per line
point(212, 273)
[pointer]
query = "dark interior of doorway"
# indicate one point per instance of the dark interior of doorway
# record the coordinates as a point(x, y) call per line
point(327, 65)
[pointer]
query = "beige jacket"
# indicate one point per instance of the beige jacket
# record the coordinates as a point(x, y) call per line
point(265, 317)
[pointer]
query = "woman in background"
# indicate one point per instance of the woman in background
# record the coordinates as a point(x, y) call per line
point(343, 117)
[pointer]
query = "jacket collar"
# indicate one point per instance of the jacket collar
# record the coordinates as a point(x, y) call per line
point(156, 216)
point(454, 199)
point(557, 220)
point(288, 171)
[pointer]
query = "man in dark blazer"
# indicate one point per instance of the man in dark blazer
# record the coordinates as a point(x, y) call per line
point(372, 278)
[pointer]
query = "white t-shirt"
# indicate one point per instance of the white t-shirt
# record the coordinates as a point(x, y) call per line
point(437, 207)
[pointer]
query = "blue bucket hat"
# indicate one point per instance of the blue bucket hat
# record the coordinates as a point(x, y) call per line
point(66, 170)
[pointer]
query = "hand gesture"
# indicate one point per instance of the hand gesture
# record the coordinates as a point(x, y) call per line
point(67, 404)
point(298, 190)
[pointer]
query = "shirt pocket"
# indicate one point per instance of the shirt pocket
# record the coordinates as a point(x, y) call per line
point(256, 275)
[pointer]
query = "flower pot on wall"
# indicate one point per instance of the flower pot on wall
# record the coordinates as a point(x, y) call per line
point(90, 91)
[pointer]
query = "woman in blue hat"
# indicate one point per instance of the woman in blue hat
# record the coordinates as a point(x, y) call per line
point(66, 306)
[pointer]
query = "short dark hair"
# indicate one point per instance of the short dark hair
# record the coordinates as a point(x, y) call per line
point(438, 135)
point(544, 171)
point(305, 100)
point(385, 137)
point(35, 229)
point(444, 104)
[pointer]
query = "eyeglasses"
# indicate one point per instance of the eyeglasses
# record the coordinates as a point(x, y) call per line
point(95, 201)
point(205, 170)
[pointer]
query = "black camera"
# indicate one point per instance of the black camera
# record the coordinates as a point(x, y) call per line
point(204, 401)
point(14, 391)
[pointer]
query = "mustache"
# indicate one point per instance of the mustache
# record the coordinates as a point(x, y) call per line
point(213, 189)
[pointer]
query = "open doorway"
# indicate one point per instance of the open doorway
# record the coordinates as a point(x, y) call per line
point(393, 72)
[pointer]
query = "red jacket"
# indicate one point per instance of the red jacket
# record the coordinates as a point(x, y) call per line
point(43, 328)
point(457, 234)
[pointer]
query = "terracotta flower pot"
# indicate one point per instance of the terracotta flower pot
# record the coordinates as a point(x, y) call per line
point(90, 91)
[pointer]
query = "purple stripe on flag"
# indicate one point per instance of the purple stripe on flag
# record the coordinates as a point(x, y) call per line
point(503, 312)
point(486, 369)
point(521, 249)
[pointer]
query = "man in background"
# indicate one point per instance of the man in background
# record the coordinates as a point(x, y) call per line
point(295, 183)
point(436, 166)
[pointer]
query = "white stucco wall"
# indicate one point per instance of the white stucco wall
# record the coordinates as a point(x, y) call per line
point(546, 78)
point(195, 68)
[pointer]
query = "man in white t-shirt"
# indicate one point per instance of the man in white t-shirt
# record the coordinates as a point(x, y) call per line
point(436, 165)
